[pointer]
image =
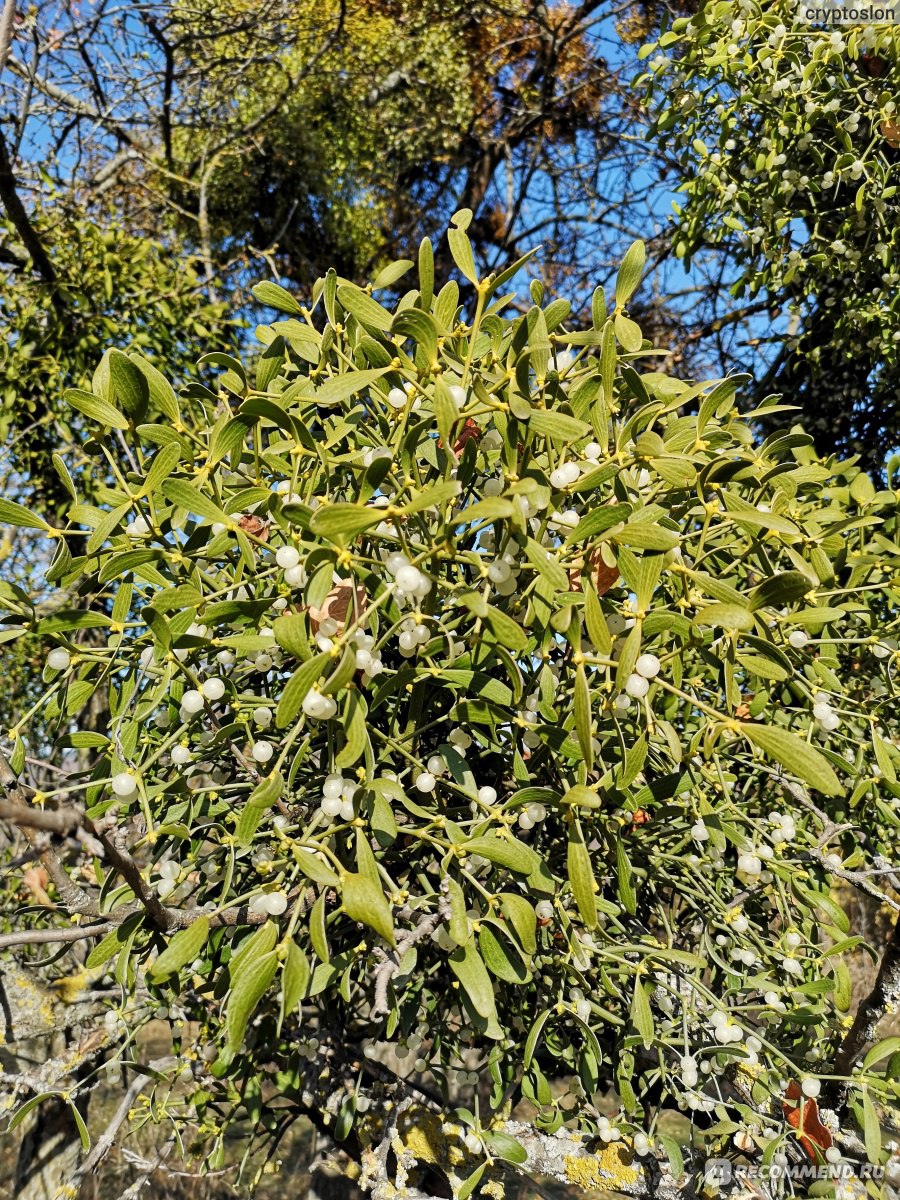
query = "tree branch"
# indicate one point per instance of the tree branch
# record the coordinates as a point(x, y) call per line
point(61, 821)
point(15, 209)
point(7, 19)
point(885, 994)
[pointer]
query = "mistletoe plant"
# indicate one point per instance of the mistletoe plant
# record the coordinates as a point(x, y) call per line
point(490, 717)
point(786, 139)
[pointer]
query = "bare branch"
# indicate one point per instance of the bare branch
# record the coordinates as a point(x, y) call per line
point(61, 821)
point(38, 937)
point(7, 19)
point(425, 927)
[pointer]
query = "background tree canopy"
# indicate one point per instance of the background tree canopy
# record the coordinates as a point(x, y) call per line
point(283, 139)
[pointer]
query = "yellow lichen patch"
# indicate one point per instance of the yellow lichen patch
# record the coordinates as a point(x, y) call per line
point(423, 1138)
point(70, 987)
point(612, 1168)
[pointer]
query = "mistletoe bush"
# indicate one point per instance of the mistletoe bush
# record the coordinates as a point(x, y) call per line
point(489, 718)
point(786, 137)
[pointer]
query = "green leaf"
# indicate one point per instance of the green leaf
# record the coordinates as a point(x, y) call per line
point(314, 868)
point(63, 472)
point(471, 1182)
point(785, 588)
point(629, 275)
point(247, 991)
point(340, 388)
point(604, 517)
point(642, 535)
point(110, 522)
point(251, 948)
point(162, 394)
point(426, 273)
point(129, 382)
point(458, 926)
point(165, 462)
point(364, 901)
point(269, 364)
point(581, 876)
point(629, 333)
point(880, 1051)
point(389, 275)
point(500, 956)
point(883, 758)
point(292, 635)
point(29, 1106)
point(186, 496)
point(341, 522)
point(356, 732)
point(297, 686)
point(843, 986)
point(482, 685)
point(673, 1153)
point(547, 564)
point(467, 965)
point(624, 879)
point(580, 796)
point(506, 852)
point(503, 1146)
point(295, 976)
point(263, 796)
point(557, 426)
point(110, 945)
point(446, 414)
point(15, 514)
point(422, 328)
point(871, 1126)
point(275, 296)
point(595, 622)
point(228, 437)
point(507, 631)
point(182, 949)
point(862, 489)
point(727, 616)
point(317, 934)
point(798, 756)
point(493, 508)
point(434, 496)
point(92, 406)
point(521, 915)
point(582, 702)
point(461, 249)
point(79, 1125)
point(366, 310)
point(641, 1016)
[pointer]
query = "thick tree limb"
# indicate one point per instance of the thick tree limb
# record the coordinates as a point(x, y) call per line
point(15, 209)
point(885, 995)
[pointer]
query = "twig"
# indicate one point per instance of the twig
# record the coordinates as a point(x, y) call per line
point(75, 898)
point(107, 1139)
point(391, 965)
point(35, 937)
point(147, 1167)
point(60, 821)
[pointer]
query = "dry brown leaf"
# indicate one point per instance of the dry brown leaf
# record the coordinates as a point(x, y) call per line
point(337, 604)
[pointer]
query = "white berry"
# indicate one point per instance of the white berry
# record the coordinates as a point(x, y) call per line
point(58, 659)
point(262, 751)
